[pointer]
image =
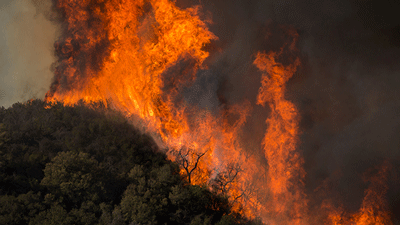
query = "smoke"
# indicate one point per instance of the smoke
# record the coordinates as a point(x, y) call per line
point(346, 88)
point(203, 92)
point(26, 50)
point(346, 91)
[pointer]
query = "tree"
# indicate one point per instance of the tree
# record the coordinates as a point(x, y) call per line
point(86, 165)
point(195, 203)
point(191, 163)
point(20, 209)
point(2, 134)
point(145, 201)
point(73, 177)
point(226, 180)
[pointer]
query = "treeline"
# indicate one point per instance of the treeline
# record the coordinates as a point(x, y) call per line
point(87, 165)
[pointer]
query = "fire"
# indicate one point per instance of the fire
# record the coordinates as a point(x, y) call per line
point(120, 51)
point(137, 55)
point(285, 173)
point(135, 47)
point(373, 210)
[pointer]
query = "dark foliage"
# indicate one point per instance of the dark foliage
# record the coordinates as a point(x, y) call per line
point(88, 165)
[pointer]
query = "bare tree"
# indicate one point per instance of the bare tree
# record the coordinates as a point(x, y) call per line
point(227, 177)
point(189, 160)
point(227, 180)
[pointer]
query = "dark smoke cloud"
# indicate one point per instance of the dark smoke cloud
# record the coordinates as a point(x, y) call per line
point(347, 87)
point(204, 91)
point(347, 91)
point(26, 50)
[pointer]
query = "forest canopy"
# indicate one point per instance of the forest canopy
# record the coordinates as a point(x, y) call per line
point(88, 165)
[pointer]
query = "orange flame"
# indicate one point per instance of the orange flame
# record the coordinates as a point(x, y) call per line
point(136, 55)
point(285, 173)
point(373, 210)
point(141, 47)
point(139, 42)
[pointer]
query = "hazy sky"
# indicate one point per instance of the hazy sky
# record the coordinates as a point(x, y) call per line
point(26, 54)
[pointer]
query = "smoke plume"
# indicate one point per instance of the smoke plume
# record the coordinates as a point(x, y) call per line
point(26, 50)
point(346, 88)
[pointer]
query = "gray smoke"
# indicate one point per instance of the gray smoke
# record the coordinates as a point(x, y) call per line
point(26, 50)
point(203, 92)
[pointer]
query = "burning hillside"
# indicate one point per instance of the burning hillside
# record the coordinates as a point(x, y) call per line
point(148, 59)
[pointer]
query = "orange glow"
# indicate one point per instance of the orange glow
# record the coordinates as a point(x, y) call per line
point(136, 55)
point(285, 173)
point(373, 210)
point(142, 46)
point(144, 39)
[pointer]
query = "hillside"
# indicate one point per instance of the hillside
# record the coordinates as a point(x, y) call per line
point(88, 165)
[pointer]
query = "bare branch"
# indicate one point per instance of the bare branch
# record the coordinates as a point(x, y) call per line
point(186, 162)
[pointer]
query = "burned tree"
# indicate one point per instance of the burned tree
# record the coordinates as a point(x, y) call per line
point(191, 163)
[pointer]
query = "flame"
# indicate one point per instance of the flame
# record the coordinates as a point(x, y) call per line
point(285, 173)
point(119, 52)
point(373, 210)
point(137, 55)
point(141, 46)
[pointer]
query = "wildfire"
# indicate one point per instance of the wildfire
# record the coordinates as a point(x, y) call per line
point(373, 208)
point(285, 173)
point(137, 55)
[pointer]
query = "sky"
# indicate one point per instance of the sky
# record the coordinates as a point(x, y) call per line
point(26, 50)
point(347, 87)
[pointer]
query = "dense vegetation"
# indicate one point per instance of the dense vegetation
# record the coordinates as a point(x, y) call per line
point(86, 165)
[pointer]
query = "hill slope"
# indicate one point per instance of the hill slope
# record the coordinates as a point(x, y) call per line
point(87, 165)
